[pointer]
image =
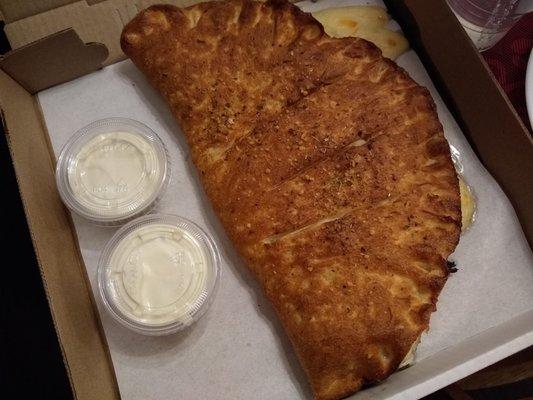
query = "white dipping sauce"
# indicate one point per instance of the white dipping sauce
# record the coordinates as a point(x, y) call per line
point(158, 272)
point(112, 170)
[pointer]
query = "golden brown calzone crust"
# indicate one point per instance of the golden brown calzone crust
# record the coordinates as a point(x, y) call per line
point(328, 168)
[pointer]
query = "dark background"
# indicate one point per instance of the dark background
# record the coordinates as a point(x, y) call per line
point(30, 355)
point(30, 358)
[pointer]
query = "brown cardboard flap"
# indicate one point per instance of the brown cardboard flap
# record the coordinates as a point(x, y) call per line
point(100, 23)
point(64, 276)
point(13, 10)
point(481, 108)
point(51, 39)
point(94, 21)
point(61, 57)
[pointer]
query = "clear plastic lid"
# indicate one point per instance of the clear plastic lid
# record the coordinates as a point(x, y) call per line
point(158, 273)
point(112, 170)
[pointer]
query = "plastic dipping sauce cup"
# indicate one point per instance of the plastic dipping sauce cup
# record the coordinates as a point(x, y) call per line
point(158, 273)
point(112, 171)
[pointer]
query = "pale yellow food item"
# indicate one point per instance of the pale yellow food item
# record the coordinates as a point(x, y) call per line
point(367, 22)
point(392, 44)
point(409, 359)
point(468, 205)
point(347, 20)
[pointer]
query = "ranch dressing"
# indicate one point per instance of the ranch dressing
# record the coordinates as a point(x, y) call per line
point(112, 170)
point(157, 273)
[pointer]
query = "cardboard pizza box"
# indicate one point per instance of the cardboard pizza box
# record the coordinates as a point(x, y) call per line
point(55, 41)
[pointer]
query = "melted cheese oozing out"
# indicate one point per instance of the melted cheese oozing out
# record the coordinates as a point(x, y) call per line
point(115, 174)
point(367, 22)
point(468, 205)
point(410, 356)
point(159, 275)
point(467, 215)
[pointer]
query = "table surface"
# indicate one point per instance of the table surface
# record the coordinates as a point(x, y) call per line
point(508, 62)
point(31, 358)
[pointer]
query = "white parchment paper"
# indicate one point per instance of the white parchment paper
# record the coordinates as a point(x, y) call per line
point(238, 349)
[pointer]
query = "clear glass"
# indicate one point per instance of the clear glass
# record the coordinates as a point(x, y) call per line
point(120, 264)
point(116, 199)
point(487, 21)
